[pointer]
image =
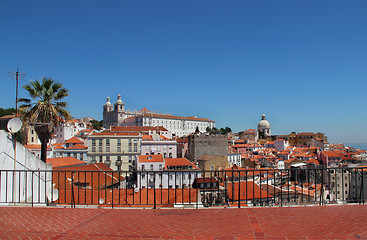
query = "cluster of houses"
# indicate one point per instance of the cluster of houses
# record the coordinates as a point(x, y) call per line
point(153, 161)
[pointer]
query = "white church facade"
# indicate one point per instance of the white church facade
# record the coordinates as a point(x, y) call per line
point(116, 115)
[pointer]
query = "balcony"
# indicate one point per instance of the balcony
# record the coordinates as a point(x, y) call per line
point(236, 188)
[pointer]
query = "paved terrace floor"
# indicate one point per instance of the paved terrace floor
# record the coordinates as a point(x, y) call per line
point(317, 222)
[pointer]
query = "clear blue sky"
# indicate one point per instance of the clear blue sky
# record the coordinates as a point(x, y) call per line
point(302, 63)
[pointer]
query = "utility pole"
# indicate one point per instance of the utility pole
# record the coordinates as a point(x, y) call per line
point(17, 76)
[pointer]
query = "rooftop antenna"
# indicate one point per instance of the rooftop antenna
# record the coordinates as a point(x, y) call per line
point(17, 76)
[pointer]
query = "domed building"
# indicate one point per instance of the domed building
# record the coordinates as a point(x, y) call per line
point(263, 128)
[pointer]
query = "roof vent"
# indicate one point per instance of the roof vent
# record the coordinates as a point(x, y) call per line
point(150, 157)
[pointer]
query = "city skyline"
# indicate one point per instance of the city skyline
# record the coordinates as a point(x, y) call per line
point(303, 64)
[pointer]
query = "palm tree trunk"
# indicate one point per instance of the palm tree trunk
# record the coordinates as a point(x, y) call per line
point(44, 136)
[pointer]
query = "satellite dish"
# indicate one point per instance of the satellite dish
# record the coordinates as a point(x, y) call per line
point(14, 125)
point(53, 195)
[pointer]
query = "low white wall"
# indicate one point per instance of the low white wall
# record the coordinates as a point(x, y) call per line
point(29, 182)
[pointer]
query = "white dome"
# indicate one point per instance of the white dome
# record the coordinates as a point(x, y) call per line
point(263, 123)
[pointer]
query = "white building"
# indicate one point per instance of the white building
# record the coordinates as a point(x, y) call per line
point(72, 147)
point(116, 115)
point(60, 134)
point(156, 172)
point(158, 144)
point(24, 186)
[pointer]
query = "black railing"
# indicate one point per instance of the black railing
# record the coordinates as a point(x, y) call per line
point(186, 188)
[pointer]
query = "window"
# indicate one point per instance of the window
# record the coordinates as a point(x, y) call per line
point(129, 142)
point(75, 155)
point(68, 154)
point(100, 159)
point(100, 142)
point(81, 156)
point(135, 142)
point(151, 167)
point(118, 142)
point(107, 142)
point(135, 149)
point(119, 149)
point(100, 149)
point(108, 149)
point(93, 149)
point(93, 142)
point(160, 167)
point(129, 149)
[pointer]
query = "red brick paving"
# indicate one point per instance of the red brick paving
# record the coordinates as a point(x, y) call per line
point(317, 222)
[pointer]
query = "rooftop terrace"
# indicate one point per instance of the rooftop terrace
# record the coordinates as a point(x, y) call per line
point(311, 222)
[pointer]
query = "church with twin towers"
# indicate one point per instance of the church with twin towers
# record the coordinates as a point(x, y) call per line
point(116, 115)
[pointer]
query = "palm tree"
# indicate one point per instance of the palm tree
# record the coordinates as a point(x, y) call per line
point(45, 109)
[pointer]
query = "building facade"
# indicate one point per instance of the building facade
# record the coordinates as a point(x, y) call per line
point(117, 150)
point(154, 171)
point(116, 115)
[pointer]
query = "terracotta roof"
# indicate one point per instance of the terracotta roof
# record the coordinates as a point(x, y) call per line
point(36, 146)
point(74, 140)
point(206, 180)
point(330, 154)
point(77, 146)
point(95, 176)
point(146, 137)
point(64, 162)
point(58, 146)
point(150, 158)
point(115, 134)
point(248, 191)
point(136, 129)
point(179, 162)
point(306, 133)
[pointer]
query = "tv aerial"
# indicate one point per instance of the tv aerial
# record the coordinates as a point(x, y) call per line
point(14, 125)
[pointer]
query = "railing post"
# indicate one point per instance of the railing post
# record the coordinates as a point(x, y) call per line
point(155, 204)
point(239, 189)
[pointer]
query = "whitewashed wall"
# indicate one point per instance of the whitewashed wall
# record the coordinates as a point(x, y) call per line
point(19, 187)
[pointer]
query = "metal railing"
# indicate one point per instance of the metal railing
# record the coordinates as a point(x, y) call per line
point(184, 188)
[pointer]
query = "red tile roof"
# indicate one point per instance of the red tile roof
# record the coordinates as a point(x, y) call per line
point(115, 133)
point(78, 146)
point(136, 129)
point(74, 140)
point(150, 158)
point(248, 191)
point(64, 162)
point(179, 162)
point(330, 154)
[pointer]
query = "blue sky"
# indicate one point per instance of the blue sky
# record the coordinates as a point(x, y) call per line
point(302, 63)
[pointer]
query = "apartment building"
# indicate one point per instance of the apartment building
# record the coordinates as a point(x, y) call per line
point(118, 150)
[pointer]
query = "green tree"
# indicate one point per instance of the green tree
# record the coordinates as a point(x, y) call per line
point(6, 111)
point(97, 124)
point(45, 109)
